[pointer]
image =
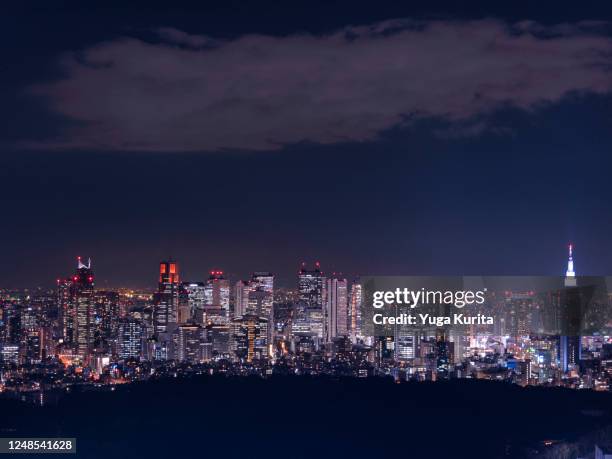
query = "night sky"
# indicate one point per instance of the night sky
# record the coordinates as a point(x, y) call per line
point(375, 137)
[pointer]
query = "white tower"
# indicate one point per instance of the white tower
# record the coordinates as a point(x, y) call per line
point(570, 275)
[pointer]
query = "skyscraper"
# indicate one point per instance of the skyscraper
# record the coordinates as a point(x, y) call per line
point(192, 300)
point(66, 316)
point(130, 337)
point(248, 337)
point(264, 281)
point(310, 286)
point(217, 297)
point(106, 318)
point(336, 308)
point(84, 308)
point(405, 343)
point(241, 297)
point(166, 297)
point(355, 310)
point(190, 341)
point(165, 310)
point(33, 345)
point(570, 346)
point(309, 310)
point(247, 301)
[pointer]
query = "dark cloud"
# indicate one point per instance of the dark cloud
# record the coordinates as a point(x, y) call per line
point(172, 35)
point(262, 92)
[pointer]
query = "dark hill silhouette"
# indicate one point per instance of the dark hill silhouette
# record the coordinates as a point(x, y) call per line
point(300, 417)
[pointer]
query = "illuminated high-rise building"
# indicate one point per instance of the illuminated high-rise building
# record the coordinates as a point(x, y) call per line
point(29, 319)
point(518, 308)
point(248, 337)
point(166, 297)
point(259, 303)
point(404, 344)
point(3, 325)
point(336, 308)
point(219, 336)
point(30, 332)
point(241, 297)
point(217, 297)
point(570, 349)
point(309, 310)
point(255, 296)
point(107, 317)
point(130, 339)
point(264, 281)
point(310, 286)
point(444, 355)
point(9, 353)
point(190, 343)
point(33, 345)
point(192, 301)
point(11, 323)
point(355, 310)
point(570, 346)
point(84, 309)
point(66, 315)
point(165, 309)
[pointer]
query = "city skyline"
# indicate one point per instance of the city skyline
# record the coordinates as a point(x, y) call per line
point(287, 280)
point(528, 331)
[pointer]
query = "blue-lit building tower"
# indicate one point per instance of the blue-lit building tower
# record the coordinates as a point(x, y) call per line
point(569, 345)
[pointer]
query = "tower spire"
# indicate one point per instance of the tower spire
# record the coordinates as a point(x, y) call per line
point(570, 274)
